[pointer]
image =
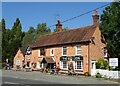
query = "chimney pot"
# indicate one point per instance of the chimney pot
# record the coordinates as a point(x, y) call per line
point(95, 12)
point(95, 18)
point(58, 26)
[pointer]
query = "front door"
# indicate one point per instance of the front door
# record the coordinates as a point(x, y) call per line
point(93, 67)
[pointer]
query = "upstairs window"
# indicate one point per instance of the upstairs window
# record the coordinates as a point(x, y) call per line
point(64, 51)
point(78, 50)
point(105, 52)
point(41, 52)
point(52, 52)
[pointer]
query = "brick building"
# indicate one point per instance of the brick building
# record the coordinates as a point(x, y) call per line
point(18, 60)
point(80, 47)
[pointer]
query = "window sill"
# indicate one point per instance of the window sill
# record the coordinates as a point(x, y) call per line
point(78, 54)
point(79, 69)
point(39, 56)
point(63, 69)
point(64, 55)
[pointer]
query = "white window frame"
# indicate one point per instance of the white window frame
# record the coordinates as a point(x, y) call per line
point(39, 53)
point(75, 65)
point(61, 65)
point(62, 51)
point(51, 51)
point(105, 54)
point(76, 50)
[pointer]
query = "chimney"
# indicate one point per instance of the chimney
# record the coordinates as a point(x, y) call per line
point(58, 26)
point(95, 18)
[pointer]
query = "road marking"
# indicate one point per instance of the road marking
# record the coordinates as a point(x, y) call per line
point(35, 79)
point(10, 83)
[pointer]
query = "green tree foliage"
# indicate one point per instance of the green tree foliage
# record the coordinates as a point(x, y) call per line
point(63, 29)
point(0, 39)
point(41, 30)
point(28, 38)
point(110, 27)
point(11, 40)
point(102, 64)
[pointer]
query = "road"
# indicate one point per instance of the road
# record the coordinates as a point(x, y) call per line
point(22, 77)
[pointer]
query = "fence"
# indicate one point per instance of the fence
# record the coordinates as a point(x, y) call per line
point(107, 73)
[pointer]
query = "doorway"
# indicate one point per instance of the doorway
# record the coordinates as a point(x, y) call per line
point(93, 67)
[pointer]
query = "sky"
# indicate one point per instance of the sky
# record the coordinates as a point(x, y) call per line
point(33, 13)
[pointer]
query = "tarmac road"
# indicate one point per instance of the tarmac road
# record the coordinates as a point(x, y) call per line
point(35, 77)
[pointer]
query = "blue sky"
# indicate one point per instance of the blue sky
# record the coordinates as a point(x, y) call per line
point(32, 13)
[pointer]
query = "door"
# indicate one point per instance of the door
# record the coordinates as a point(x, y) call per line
point(93, 68)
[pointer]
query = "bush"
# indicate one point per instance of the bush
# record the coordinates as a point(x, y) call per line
point(98, 75)
point(101, 64)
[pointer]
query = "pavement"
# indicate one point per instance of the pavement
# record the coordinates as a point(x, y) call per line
point(36, 77)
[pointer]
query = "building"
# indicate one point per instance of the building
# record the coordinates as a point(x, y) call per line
point(80, 47)
point(18, 60)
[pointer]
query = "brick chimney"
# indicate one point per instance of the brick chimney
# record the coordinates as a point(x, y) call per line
point(58, 26)
point(95, 18)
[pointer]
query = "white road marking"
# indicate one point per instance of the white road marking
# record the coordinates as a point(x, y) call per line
point(35, 79)
point(10, 83)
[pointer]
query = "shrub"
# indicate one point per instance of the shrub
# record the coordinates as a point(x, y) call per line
point(101, 64)
point(98, 75)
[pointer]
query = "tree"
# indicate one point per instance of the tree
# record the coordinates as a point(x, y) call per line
point(110, 28)
point(41, 30)
point(28, 38)
point(64, 29)
point(4, 40)
point(13, 39)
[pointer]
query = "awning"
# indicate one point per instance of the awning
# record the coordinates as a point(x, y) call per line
point(48, 60)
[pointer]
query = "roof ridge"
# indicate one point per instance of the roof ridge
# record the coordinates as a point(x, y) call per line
point(64, 31)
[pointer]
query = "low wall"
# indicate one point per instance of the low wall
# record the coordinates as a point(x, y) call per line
point(107, 73)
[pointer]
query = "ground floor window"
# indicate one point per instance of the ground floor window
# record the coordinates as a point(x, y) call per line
point(78, 65)
point(64, 65)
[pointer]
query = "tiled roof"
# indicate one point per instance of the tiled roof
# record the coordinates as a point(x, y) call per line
point(70, 36)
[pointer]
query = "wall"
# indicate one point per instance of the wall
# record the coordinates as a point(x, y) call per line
point(107, 73)
point(96, 48)
point(71, 51)
point(18, 56)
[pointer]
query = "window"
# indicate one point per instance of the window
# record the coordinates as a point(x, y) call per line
point(78, 65)
point(105, 52)
point(64, 65)
point(78, 50)
point(17, 62)
point(41, 51)
point(51, 52)
point(64, 51)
